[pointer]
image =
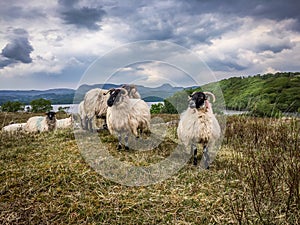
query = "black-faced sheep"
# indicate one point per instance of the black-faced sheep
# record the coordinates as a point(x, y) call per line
point(126, 115)
point(198, 125)
point(41, 123)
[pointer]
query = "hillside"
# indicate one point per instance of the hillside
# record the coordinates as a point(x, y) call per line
point(262, 95)
point(268, 94)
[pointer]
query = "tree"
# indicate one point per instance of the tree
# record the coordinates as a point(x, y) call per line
point(12, 106)
point(40, 105)
point(156, 108)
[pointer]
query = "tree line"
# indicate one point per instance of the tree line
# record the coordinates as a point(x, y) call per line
point(37, 105)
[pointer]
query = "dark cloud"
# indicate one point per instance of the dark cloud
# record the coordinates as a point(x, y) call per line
point(17, 50)
point(84, 17)
point(81, 17)
point(275, 10)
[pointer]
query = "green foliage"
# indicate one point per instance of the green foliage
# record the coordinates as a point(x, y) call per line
point(41, 105)
point(156, 108)
point(12, 106)
point(262, 95)
point(63, 109)
point(177, 103)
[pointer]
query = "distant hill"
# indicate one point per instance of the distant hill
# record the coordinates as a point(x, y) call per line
point(67, 96)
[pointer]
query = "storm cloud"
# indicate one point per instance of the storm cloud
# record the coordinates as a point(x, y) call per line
point(234, 37)
point(18, 49)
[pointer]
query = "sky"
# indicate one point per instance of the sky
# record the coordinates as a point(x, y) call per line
point(65, 43)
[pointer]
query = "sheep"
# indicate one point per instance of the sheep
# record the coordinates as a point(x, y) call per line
point(126, 115)
point(82, 114)
point(198, 125)
point(41, 123)
point(12, 128)
point(132, 91)
point(95, 104)
point(64, 123)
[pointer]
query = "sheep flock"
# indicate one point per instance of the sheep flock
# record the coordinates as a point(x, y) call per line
point(124, 113)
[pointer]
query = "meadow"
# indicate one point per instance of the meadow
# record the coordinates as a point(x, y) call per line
point(254, 179)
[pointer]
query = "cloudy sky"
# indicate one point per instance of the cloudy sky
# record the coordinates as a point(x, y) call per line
point(63, 43)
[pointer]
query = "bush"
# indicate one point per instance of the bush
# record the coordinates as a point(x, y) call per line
point(12, 106)
point(156, 108)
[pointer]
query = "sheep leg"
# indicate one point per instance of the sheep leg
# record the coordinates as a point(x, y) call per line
point(126, 143)
point(206, 157)
point(119, 147)
point(194, 153)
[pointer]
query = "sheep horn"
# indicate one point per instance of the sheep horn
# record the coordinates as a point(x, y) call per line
point(109, 91)
point(123, 91)
point(211, 94)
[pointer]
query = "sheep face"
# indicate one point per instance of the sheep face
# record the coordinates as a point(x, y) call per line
point(51, 115)
point(116, 96)
point(197, 100)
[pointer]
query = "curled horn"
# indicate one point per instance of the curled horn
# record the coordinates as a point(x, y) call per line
point(211, 95)
point(123, 91)
point(109, 91)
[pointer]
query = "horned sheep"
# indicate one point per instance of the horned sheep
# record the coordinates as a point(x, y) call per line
point(132, 91)
point(41, 123)
point(198, 125)
point(94, 104)
point(126, 115)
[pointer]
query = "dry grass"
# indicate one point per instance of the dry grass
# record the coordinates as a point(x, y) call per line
point(254, 180)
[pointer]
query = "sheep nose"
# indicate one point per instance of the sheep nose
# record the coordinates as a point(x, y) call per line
point(192, 104)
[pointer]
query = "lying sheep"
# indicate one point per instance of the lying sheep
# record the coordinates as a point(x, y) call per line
point(198, 125)
point(132, 91)
point(12, 128)
point(64, 123)
point(41, 123)
point(95, 104)
point(126, 115)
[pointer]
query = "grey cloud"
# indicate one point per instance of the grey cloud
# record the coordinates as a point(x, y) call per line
point(17, 50)
point(12, 12)
point(84, 17)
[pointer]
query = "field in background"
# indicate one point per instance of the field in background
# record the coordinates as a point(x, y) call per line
point(253, 180)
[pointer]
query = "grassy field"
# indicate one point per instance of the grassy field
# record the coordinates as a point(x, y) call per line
point(254, 180)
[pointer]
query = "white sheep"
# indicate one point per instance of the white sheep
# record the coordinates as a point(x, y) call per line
point(41, 123)
point(95, 104)
point(64, 123)
point(82, 114)
point(132, 91)
point(12, 128)
point(198, 125)
point(126, 115)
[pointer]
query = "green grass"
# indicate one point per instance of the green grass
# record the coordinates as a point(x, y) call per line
point(254, 179)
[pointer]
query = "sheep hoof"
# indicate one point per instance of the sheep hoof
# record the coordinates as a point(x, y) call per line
point(126, 148)
point(119, 147)
point(195, 162)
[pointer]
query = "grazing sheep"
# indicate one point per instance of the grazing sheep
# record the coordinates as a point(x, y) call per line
point(95, 104)
point(12, 128)
point(132, 91)
point(64, 123)
point(41, 123)
point(126, 115)
point(198, 125)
